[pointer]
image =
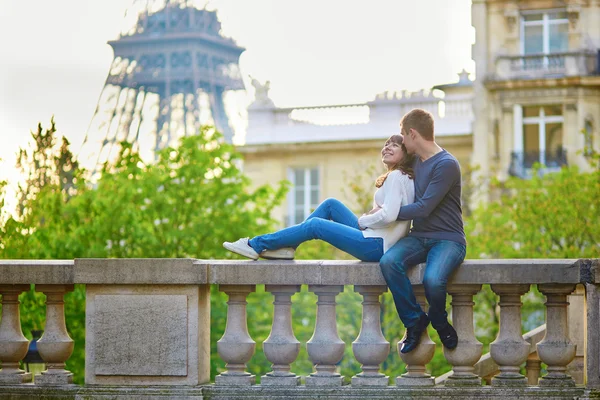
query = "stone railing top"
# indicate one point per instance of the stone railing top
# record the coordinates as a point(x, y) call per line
point(140, 271)
point(51, 272)
point(237, 272)
point(509, 271)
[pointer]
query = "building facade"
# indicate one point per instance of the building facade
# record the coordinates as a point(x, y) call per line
point(537, 89)
point(323, 151)
point(535, 99)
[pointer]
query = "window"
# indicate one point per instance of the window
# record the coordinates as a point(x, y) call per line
point(542, 136)
point(304, 196)
point(544, 33)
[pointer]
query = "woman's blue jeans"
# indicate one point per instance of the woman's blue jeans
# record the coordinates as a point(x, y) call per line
point(331, 222)
point(442, 257)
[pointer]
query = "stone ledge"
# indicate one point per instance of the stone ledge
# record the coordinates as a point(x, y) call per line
point(213, 392)
point(49, 272)
point(151, 271)
point(250, 272)
point(342, 272)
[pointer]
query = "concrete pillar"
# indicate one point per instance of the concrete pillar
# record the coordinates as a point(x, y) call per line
point(281, 347)
point(416, 373)
point(370, 347)
point(468, 351)
point(556, 350)
point(481, 107)
point(572, 138)
point(573, 13)
point(505, 141)
point(13, 345)
point(509, 350)
point(325, 348)
point(236, 347)
point(576, 320)
point(592, 338)
point(55, 345)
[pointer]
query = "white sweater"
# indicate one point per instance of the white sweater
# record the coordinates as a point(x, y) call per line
point(397, 190)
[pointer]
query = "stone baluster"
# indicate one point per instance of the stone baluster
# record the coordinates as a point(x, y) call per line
point(510, 350)
point(281, 347)
point(488, 378)
point(370, 347)
point(556, 350)
point(533, 366)
point(13, 345)
point(416, 360)
point(468, 351)
point(325, 348)
point(236, 347)
point(55, 346)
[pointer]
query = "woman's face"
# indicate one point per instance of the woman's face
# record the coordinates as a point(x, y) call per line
point(392, 153)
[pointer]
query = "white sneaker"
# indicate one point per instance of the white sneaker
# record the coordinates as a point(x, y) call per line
point(285, 253)
point(242, 248)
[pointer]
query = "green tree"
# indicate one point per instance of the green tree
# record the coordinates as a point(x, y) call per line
point(552, 215)
point(185, 204)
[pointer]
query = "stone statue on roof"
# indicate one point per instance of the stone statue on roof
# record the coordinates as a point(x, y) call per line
point(261, 92)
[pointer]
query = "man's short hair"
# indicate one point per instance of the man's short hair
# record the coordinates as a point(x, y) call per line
point(419, 120)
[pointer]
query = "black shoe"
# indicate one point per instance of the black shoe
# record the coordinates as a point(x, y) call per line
point(448, 336)
point(413, 334)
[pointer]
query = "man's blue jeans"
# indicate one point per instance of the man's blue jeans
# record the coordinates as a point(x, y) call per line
point(331, 222)
point(442, 258)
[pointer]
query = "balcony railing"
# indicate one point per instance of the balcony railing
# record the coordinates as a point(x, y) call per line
point(522, 162)
point(166, 303)
point(553, 65)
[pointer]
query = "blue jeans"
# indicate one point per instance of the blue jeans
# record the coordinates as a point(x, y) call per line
point(331, 222)
point(442, 258)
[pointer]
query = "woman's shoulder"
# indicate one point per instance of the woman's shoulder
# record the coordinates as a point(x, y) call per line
point(399, 175)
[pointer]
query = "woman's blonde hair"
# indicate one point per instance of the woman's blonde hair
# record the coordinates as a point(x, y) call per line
point(405, 165)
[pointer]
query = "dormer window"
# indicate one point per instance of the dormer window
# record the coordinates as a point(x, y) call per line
point(544, 32)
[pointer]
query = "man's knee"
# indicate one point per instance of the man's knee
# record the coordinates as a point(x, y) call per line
point(390, 263)
point(434, 285)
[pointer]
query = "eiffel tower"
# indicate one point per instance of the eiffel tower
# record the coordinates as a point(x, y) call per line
point(169, 75)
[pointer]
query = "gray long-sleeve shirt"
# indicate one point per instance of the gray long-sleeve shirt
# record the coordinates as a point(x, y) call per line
point(436, 212)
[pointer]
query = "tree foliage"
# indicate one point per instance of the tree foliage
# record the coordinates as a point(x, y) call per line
point(185, 204)
point(552, 215)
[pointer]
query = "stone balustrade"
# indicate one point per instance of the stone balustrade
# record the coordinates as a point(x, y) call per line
point(167, 303)
point(537, 66)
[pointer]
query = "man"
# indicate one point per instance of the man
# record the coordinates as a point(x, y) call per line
point(437, 236)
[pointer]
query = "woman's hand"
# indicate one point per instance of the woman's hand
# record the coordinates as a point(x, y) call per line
point(373, 211)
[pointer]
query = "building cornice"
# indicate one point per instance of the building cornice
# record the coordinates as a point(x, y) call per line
point(358, 145)
point(572, 81)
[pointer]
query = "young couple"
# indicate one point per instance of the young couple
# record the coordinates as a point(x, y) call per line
point(423, 185)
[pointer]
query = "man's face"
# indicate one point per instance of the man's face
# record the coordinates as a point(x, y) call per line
point(409, 141)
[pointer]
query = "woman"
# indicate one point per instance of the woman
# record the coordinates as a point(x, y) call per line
point(365, 238)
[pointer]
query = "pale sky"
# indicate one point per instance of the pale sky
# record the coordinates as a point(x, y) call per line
point(54, 57)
